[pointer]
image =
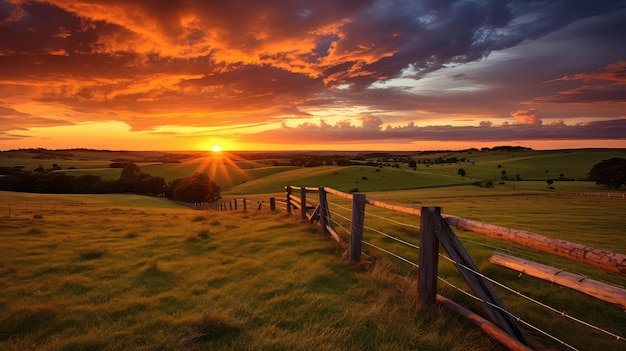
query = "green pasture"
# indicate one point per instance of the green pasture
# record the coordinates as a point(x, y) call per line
point(530, 165)
point(363, 178)
point(240, 176)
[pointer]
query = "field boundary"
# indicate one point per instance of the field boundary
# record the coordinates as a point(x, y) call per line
point(348, 227)
point(593, 194)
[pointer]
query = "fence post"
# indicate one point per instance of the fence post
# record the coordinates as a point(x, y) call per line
point(323, 208)
point(272, 204)
point(428, 257)
point(288, 199)
point(356, 227)
point(245, 207)
point(303, 203)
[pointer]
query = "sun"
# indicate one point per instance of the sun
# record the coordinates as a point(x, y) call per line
point(216, 148)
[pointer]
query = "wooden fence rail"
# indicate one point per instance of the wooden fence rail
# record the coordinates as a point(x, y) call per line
point(593, 194)
point(606, 260)
point(435, 230)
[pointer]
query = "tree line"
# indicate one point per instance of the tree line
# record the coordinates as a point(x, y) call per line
point(195, 188)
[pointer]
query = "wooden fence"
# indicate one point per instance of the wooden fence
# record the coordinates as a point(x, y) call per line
point(435, 230)
point(621, 196)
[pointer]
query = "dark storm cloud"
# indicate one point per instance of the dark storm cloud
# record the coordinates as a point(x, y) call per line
point(346, 132)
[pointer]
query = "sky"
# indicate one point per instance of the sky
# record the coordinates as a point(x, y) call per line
point(312, 75)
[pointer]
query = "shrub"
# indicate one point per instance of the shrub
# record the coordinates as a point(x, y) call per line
point(199, 219)
point(92, 253)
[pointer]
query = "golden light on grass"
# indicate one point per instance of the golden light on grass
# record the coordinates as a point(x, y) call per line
point(221, 166)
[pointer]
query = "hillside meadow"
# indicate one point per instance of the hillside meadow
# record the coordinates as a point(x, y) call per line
point(137, 273)
point(269, 172)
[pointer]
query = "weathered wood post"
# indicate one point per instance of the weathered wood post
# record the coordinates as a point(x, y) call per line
point(288, 199)
point(235, 204)
point(323, 208)
point(429, 257)
point(303, 203)
point(245, 206)
point(230, 205)
point(272, 204)
point(356, 227)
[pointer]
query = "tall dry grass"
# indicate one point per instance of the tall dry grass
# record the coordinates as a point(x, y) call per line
point(166, 279)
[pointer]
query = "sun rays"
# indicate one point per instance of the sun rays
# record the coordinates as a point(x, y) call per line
point(221, 167)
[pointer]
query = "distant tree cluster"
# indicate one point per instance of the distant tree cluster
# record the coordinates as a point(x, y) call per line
point(195, 188)
point(41, 181)
point(611, 173)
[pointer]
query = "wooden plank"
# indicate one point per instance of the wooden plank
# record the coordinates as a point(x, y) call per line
point(294, 200)
point(323, 208)
point(477, 284)
point(288, 199)
point(332, 232)
point(412, 211)
point(356, 227)
point(489, 328)
point(338, 193)
point(303, 205)
point(428, 257)
point(315, 216)
point(606, 260)
point(603, 259)
point(585, 285)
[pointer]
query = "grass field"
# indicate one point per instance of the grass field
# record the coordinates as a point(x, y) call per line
point(131, 272)
point(595, 222)
point(139, 275)
point(240, 176)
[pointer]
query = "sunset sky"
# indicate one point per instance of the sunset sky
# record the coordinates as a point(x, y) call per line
point(312, 75)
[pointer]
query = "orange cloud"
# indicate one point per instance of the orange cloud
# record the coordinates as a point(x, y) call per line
point(530, 116)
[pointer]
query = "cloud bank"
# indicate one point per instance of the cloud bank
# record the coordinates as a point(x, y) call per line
point(347, 71)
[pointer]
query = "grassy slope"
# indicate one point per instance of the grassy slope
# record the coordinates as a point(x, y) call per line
point(159, 278)
point(346, 178)
point(530, 165)
point(597, 222)
point(231, 171)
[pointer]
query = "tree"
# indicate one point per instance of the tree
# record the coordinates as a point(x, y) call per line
point(550, 182)
point(197, 188)
point(153, 186)
point(611, 172)
point(461, 172)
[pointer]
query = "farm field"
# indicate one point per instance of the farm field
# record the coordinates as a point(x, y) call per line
point(250, 173)
point(133, 274)
point(141, 242)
